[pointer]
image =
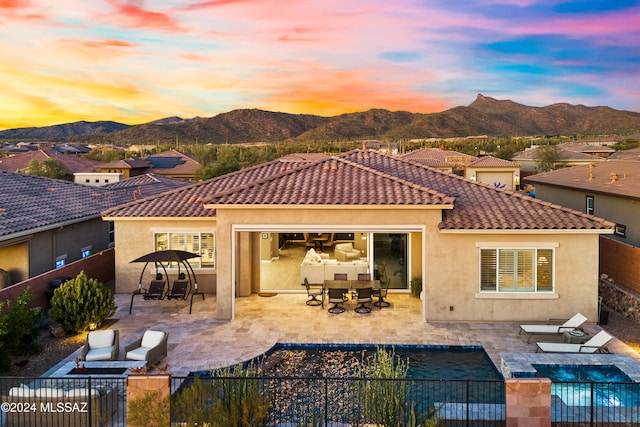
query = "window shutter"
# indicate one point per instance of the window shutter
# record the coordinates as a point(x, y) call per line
point(488, 269)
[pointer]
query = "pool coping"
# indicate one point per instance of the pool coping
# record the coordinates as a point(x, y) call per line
point(520, 365)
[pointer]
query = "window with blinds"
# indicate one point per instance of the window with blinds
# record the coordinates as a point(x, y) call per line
point(202, 244)
point(516, 270)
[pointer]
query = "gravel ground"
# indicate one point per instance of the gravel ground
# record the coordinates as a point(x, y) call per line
point(56, 349)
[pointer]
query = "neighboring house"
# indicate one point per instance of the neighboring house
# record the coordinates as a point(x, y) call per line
point(486, 169)
point(46, 223)
point(96, 179)
point(174, 164)
point(382, 147)
point(609, 189)
point(528, 158)
point(171, 164)
point(483, 254)
point(630, 155)
point(74, 164)
point(126, 167)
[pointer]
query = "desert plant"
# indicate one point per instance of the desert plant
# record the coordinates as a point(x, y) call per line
point(232, 397)
point(384, 402)
point(149, 410)
point(80, 302)
point(416, 286)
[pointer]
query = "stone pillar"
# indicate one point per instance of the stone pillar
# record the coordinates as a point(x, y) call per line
point(148, 400)
point(528, 402)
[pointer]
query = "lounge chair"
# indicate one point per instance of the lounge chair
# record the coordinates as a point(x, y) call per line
point(101, 345)
point(594, 345)
point(151, 347)
point(574, 323)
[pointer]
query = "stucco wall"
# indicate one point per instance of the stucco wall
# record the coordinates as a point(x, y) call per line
point(135, 238)
point(452, 279)
point(616, 209)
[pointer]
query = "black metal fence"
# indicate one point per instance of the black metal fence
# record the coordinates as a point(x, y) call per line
point(63, 402)
point(595, 404)
point(338, 401)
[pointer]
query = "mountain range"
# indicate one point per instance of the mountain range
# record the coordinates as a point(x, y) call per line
point(484, 116)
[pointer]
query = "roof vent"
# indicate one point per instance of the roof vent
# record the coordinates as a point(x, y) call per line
point(591, 166)
point(614, 177)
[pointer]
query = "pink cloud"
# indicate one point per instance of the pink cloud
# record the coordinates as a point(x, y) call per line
point(131, 13)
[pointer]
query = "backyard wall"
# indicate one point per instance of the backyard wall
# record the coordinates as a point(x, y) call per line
point(100, 266)
point(620, 262)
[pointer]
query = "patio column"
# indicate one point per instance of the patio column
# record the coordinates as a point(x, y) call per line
point(528, 402)
point(225, 265)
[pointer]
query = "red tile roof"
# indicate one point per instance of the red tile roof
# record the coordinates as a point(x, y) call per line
point(365, 178)
point(18, 162)
point(492, 162)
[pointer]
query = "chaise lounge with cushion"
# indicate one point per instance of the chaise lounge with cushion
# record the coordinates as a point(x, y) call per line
point(594, 345)
point(574, 323)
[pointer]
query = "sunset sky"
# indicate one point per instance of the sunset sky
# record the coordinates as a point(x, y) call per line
point(134, 61)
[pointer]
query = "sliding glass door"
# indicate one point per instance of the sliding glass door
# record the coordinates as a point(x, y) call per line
point(390, 258)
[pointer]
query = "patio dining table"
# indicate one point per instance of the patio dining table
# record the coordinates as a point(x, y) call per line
point(352, 284)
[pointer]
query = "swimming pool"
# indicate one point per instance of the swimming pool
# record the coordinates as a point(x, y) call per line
point(582, 373)
point(425, 362)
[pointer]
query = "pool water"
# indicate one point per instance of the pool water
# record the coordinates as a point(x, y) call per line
point(425, 362)
point(582, 373)
point(580, 385)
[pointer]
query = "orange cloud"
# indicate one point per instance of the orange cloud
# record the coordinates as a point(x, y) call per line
point(336, 92)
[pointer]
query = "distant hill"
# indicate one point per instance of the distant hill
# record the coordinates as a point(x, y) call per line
point(63, 131)
point(484, 116)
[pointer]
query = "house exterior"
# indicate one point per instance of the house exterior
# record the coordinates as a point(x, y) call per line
point(486, 169)
point(609, 189)
point(46, 223)
point(569, 156)
point(172, 164)
point(74, 164)
point(483, 254)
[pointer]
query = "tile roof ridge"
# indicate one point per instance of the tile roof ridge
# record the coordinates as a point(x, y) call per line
point(187, 187)
point(268, 178)
point(445, 197)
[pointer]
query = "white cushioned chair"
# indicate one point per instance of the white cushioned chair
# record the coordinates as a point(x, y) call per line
point(101, 345)
point(346, 252)
point(151, 347)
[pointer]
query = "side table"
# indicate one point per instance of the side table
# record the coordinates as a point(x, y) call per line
point(576, 336)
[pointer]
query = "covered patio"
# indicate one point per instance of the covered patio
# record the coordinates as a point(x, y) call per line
point(199, 341)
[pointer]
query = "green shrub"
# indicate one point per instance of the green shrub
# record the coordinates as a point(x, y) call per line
point(148, 410)
point(23, 324)
point(416, 286)
point(19, 328)
point(80, 302)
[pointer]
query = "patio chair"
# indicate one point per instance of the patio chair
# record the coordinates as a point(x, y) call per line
point(156, 288)
point(180, 288)
point(151, 347)
point(594, 345)
point(313, 292)
point(364, 276)
point(337, 298)
point(101, 345)
point(574, 323)
point(340, 276)
point(381, 293)
point(363, 297)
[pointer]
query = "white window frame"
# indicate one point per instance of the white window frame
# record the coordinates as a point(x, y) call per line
point(590, 205)
point(196, 263)
point(517, 247)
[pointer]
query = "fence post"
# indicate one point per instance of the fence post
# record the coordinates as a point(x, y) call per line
point(154, 392)
point(528, 402)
